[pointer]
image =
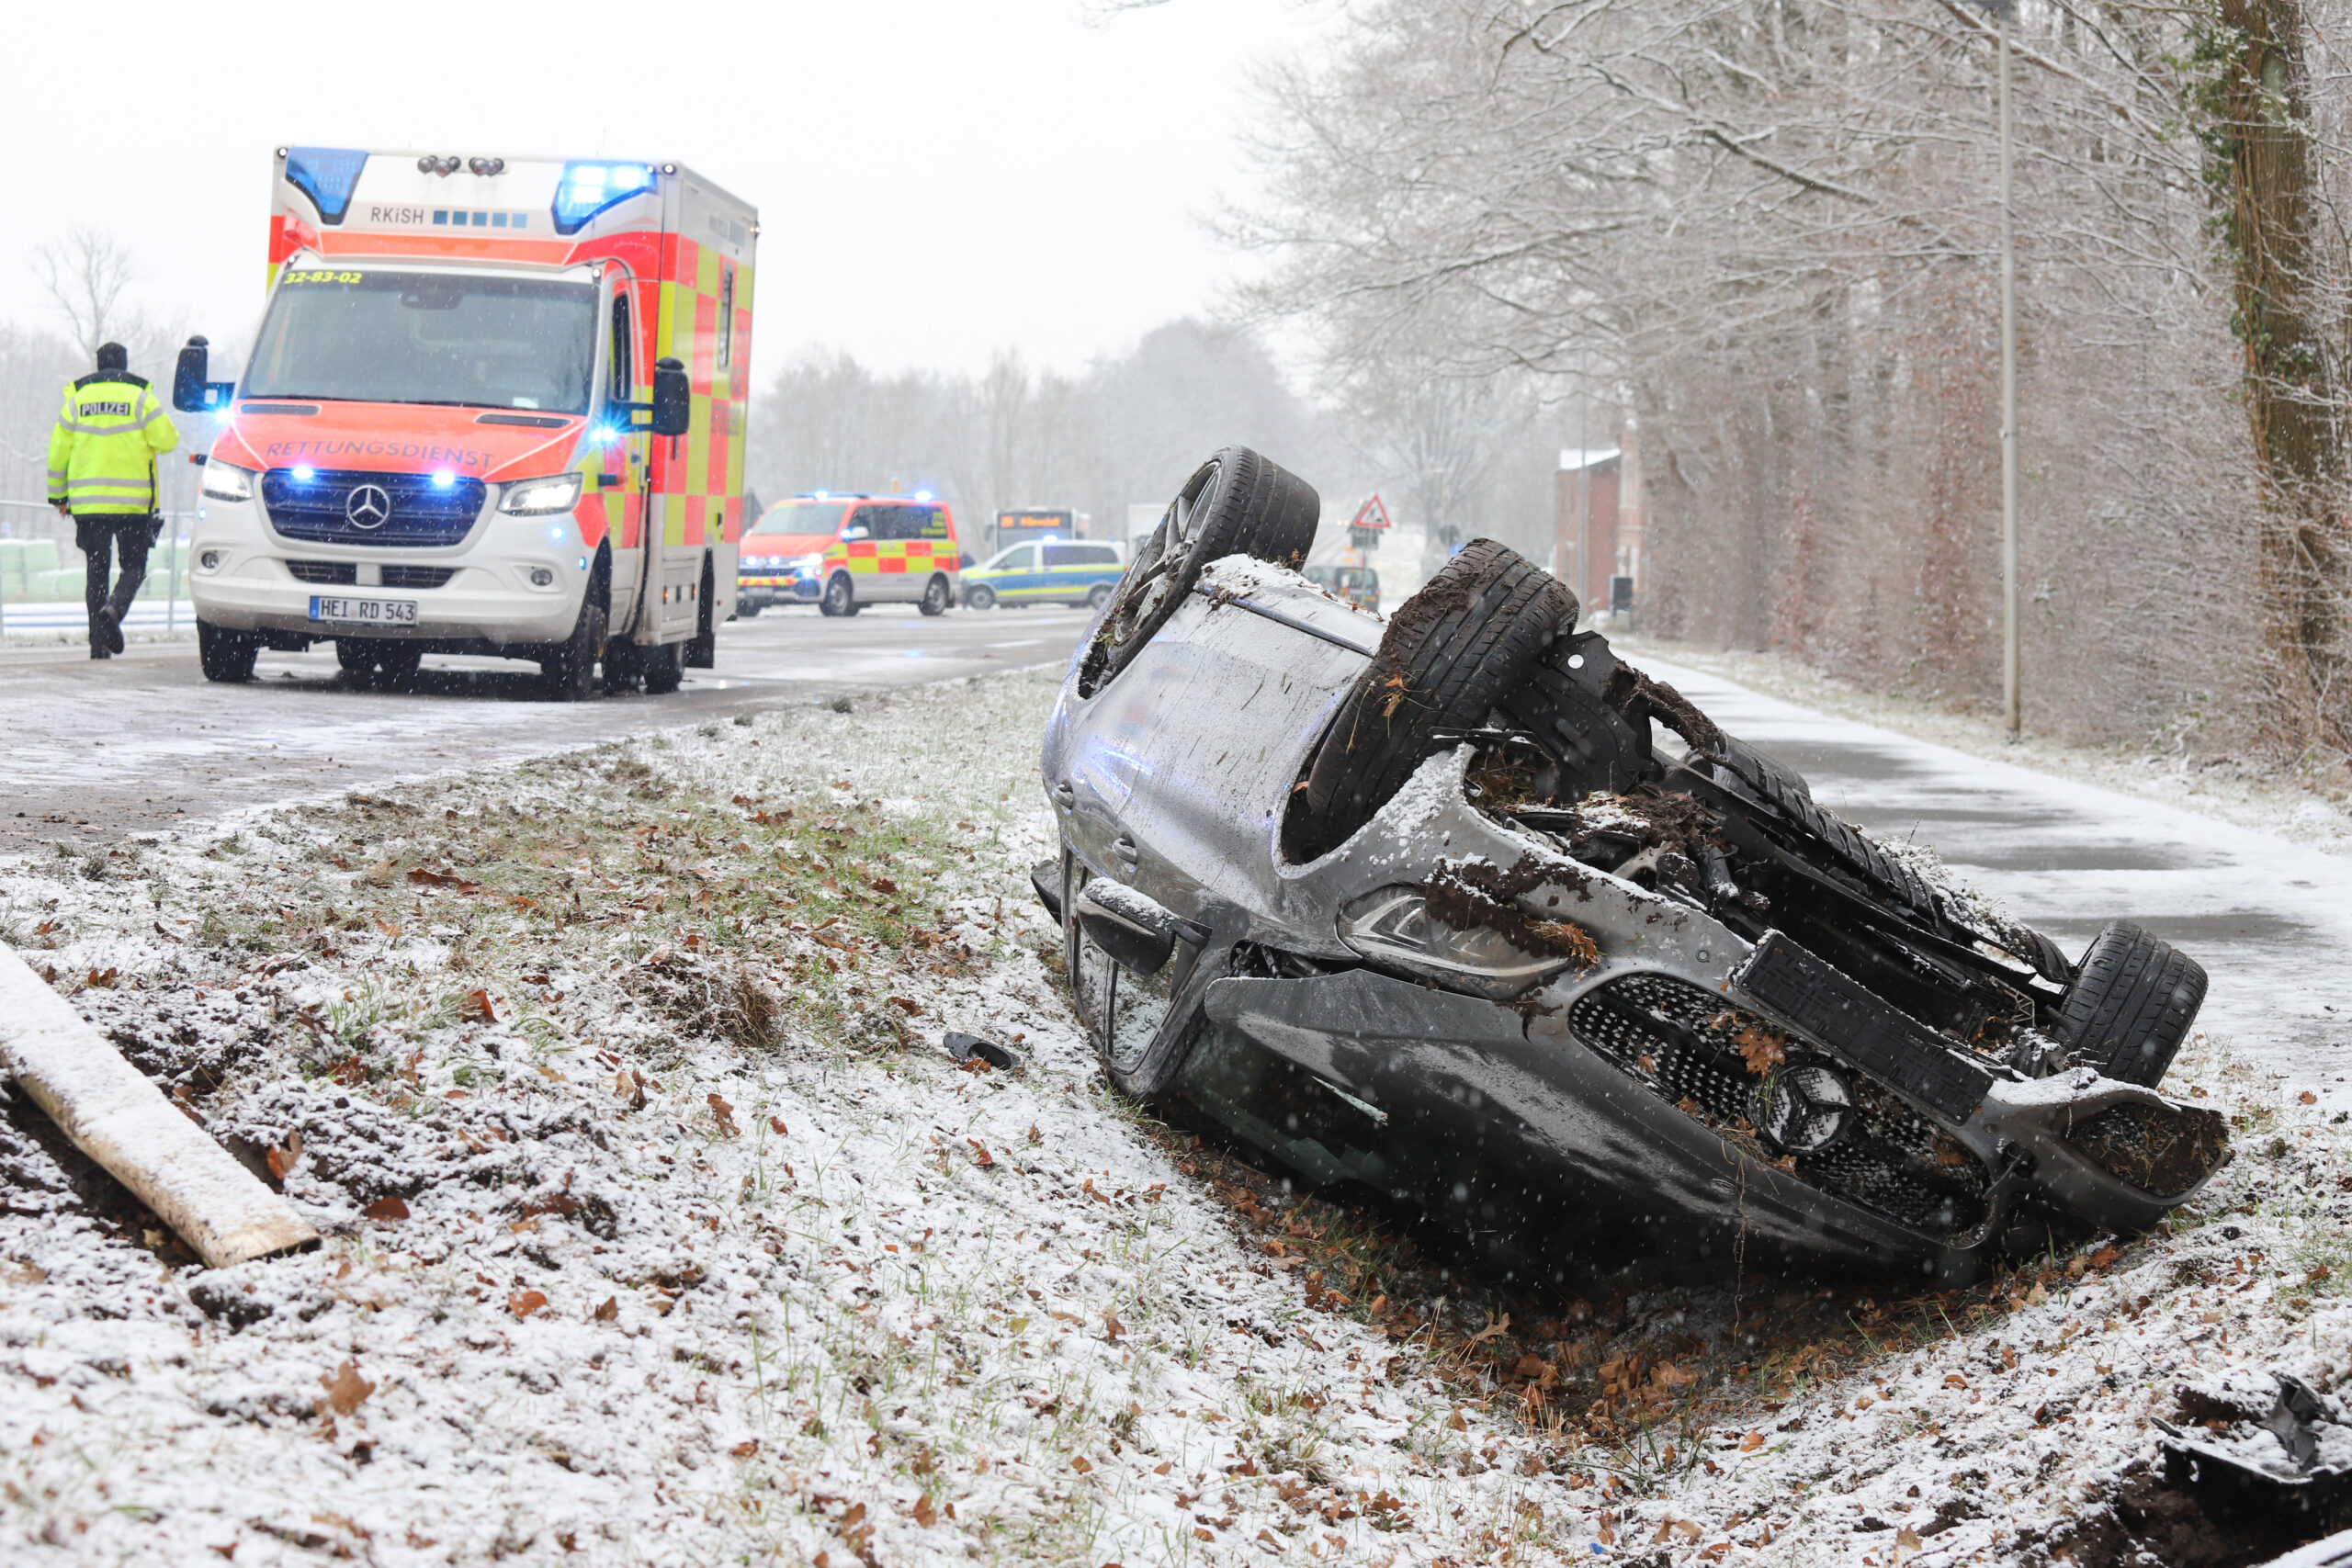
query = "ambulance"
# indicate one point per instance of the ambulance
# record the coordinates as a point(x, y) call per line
point(495, 406)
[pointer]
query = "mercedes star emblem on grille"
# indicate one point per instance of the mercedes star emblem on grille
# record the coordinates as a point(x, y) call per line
point(369, 506)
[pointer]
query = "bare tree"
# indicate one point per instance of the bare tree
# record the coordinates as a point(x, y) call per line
point(86, 273)
point(1772, 222)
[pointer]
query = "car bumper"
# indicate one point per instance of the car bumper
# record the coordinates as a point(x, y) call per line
point(778, 590)
point(242, 577)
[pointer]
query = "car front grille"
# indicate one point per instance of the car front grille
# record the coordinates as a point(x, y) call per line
point(323, 571)
point(1682, 1042)
point(417, 576)
point(355, 507)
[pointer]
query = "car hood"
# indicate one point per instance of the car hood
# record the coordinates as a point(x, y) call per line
point(400, 438)
point(786, 544)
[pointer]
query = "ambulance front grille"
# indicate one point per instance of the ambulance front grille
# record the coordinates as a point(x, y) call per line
point(334, 507)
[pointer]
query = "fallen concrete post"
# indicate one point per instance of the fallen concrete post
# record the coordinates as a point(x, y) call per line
point(117, 1117)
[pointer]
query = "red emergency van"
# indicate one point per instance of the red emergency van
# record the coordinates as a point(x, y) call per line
point(495, 405)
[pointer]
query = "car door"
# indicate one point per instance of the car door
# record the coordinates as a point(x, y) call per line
point(1016, 574)
point(619, 475)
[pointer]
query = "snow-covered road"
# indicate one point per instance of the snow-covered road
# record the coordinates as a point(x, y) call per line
point(2270, 920)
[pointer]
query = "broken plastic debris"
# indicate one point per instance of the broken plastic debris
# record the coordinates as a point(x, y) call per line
point(972, 1048)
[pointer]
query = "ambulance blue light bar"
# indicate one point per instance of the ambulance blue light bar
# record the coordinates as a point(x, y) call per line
point(588, 188)
point(327, 175)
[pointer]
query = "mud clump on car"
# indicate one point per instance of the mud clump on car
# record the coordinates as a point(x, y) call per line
point(1476, 896)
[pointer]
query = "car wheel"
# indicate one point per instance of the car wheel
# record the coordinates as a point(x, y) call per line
point(936, 597)
point(841, 596)
point(569, 673)
point(2131, 1006)
point(225, 655)
point(979, 597)
point(748, 609)
point(1447, 657)
point(1126, 1018)
point(1236, 504)
point(660, 668)
point(1099, 597)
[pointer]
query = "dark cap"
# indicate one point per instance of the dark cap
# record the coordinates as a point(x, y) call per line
point(113, 357)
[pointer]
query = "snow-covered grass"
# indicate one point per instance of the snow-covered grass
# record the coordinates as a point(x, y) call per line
point(660, 1228)
point(662, 1231)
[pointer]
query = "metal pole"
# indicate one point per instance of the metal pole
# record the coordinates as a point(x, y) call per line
point(1583, 501)
point(2010, 702)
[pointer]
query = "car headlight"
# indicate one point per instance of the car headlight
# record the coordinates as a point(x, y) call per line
point(1395, 929)
point(557, 492)
point(226, 481)
point(806, 563)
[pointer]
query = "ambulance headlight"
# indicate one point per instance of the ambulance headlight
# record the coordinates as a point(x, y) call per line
point(226, 481)
point(807, 563)
point(557, 492)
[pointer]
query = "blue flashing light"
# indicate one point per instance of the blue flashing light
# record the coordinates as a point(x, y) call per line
point(305, 474)
point(822, 495)
point(923, 495)
point(444, 479)
point(588, 188)
point(555, 530)
point(605, 435)
point(327, 175)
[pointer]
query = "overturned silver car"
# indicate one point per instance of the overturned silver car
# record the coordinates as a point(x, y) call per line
point(1464, 908)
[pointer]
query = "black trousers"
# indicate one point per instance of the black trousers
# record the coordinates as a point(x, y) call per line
point(100, 538)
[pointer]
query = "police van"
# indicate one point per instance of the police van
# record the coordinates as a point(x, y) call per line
point(1084, 572)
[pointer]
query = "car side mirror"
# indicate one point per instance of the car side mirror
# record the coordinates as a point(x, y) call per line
point(193, 391)
point(1135, 931)
point(674, 399)
point(854, 533)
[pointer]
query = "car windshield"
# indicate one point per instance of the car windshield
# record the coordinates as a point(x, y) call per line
point(362, 335)
point(792, 518)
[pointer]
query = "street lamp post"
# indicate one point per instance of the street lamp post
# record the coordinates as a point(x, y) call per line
point(2011, 706)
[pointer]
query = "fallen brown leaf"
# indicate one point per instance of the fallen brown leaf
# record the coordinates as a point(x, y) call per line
point(388, 1208)
point(523, 1303)
point(609, 1310)
point(346, 1390)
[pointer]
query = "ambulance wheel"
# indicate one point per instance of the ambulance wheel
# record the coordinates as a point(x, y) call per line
point(569, 671)
point(936, 597)
point(841, 596)
point(663, 671)
point(979, 596)
point(225, 655)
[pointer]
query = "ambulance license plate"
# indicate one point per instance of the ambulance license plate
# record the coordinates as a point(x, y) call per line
point(364, 612)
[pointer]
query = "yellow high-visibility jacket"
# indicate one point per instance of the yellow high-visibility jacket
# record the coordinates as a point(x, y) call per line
point(102, 454)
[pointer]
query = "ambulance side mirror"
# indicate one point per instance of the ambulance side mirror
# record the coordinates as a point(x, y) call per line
point(674, 399)
point(190, 377)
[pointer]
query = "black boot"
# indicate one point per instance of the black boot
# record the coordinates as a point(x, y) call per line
point(109, 629)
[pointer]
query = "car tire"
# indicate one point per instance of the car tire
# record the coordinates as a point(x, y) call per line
point(1099, 597)
point(569, 673)
point(839, 597)
point(1236, 504)
point(936, 596)
point(747, 609)
point(1449, 655)
point(225, 655)
point(2131, 1005)
point(660, 668)
point(979, 597)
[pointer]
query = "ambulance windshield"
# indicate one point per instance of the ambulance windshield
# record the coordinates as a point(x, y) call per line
point(363, 334)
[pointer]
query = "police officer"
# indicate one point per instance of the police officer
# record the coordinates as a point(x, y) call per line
point(102, 474)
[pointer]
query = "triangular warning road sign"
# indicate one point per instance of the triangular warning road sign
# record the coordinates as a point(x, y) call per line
point(1371, 514)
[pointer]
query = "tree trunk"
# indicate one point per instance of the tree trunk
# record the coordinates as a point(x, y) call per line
point(2287, 318)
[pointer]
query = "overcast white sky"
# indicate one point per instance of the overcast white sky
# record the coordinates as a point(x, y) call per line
point(935, 178)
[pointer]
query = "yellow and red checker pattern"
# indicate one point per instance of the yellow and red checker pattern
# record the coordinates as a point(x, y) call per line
point(696, 479)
